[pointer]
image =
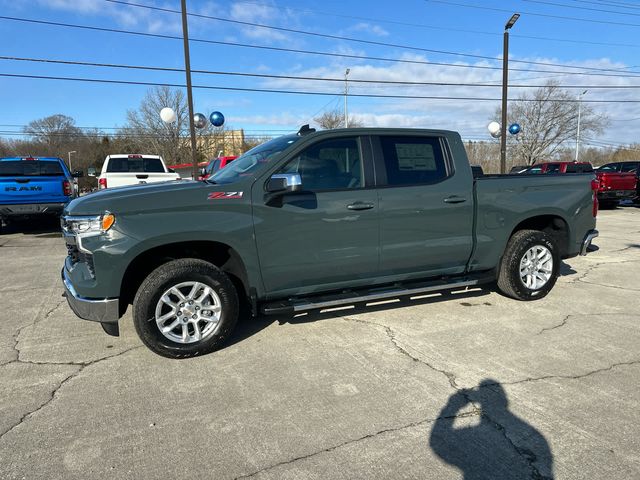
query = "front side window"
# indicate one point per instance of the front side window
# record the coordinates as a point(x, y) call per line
point(553, 168)
point(413, 160)
point(328, 165)
point(629, 167)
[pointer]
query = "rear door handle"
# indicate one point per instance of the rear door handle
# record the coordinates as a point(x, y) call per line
point(454, 199)
point(360, 206)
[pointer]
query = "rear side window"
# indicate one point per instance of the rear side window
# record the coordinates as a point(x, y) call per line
point(413, 160)
point(126, 165)
point(629, 167)
point(553, 168)
point(30, 168)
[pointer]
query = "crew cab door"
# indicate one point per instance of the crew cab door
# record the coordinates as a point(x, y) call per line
point(426, 206)
point(326, 232)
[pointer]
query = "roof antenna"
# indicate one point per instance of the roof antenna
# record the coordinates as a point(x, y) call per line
point(305, 130)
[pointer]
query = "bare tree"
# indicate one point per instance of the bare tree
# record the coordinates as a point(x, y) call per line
point(335, 119)
point(54, 130)
point(549, 120)
point(149, 134)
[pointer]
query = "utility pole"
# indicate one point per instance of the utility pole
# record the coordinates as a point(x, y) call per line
point(505, 82)
point(187, 67)
point(578, 133)
point(346, 93)
point(70, 169)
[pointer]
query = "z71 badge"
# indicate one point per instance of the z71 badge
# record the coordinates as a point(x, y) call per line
point(224, 195)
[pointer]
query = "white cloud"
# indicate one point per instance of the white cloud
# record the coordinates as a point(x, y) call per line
point(373, 29)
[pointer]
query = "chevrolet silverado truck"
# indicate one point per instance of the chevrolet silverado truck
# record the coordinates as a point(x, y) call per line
point(311, 221)
point(34, 186)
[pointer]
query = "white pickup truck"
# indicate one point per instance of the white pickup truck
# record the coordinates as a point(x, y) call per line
point(120, 170)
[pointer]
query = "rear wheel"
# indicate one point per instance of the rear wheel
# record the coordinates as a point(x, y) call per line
point(184, 308)
point(529, 267)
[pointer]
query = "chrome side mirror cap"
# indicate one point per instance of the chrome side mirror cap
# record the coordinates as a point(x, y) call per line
point(284, 182)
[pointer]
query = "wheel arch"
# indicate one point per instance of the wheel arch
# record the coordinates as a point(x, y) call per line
point(219, 254)
point(552, 224)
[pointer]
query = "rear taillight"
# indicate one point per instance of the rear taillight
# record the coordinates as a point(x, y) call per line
point(595, 185)
point(102, 183)
point(66, 188)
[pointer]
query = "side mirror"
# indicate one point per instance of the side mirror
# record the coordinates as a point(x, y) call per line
point(203, 171)
point(284, 182)
point(77, 174)
point(91, 172)
point(171, 170)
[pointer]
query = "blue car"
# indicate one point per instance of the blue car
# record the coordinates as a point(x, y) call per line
point(34, 186)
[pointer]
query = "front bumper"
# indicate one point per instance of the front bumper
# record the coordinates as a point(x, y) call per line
point(105, 310)
point(586, 243)
point(31, 209)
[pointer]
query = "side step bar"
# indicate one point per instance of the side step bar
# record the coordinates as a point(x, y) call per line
point(301, 304)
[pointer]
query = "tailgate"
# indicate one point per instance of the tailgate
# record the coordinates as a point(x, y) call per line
point(617, 181)
point(41, 189)
point(123, 179)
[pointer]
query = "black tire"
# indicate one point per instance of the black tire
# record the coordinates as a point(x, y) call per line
point(509, 281)
point(173, 273)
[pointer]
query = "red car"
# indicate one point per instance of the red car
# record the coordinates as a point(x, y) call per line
point(615, 185)
point(558, 167)
point(215, 165)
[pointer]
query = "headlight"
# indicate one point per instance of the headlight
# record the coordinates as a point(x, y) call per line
point(93, 225)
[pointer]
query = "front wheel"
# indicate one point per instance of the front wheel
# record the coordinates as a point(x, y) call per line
point(529, 267)
point(184, 308)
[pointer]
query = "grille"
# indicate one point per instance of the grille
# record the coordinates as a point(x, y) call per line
point(79, 257)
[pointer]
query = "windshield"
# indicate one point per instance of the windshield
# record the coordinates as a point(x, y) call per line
point(30, 168)
point(253, 160)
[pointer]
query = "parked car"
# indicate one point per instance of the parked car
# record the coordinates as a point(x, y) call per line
point(31, 186)
point(121, 170)
point(555, 168)
point(617, 183)
point(316, 220)
point(214, 165)
point(622, 167)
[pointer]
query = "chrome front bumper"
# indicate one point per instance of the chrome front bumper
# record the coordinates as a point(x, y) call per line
point(105, 310)
point(586, 243)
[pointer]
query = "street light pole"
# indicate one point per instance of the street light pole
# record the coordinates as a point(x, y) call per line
point(505, 82)
point(578, 133)
point(346, 93)
point(187, 67)
point(70, 169)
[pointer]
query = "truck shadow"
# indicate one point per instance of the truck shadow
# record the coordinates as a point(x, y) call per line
point(252, 326)
point(42, 227)
point(566, 270)
point(478, 434)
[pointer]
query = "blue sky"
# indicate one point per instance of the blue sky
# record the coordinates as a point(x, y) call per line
point(451, 25)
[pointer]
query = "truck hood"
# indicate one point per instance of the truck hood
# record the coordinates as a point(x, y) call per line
point(138, 198)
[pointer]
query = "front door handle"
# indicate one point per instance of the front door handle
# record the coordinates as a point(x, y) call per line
point(360, 206)
point(454, 199)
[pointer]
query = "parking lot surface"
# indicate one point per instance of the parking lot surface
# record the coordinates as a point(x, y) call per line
point(466, 384)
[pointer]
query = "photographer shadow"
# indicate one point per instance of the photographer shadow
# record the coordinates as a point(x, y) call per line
point(495, 444)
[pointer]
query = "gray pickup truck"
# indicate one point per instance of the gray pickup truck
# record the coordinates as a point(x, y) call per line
point(315, 220)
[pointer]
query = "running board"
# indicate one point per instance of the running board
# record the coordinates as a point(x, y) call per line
point(302, 304)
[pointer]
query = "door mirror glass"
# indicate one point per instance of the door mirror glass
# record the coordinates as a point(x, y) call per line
point(91, 171)
point(284, 182)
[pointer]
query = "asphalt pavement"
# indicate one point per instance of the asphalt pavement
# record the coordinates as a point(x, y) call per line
point(468, 384)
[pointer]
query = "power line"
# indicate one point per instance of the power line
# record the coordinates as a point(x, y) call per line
point(435, 27)
point(302, 78)
point(564, 5)
point(535, 14)
point(357, 40)
point(310, 52)
point(291, 92)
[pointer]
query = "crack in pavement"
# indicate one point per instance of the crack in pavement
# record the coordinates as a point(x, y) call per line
point(609, 286)
point(356, 440)
point(566, 319)
point(54, 392)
